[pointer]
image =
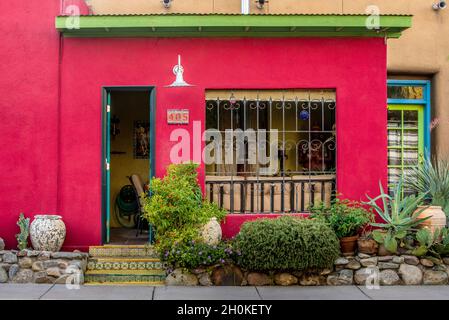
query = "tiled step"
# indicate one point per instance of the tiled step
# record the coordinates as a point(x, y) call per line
point(104, 277)
point(124, 263)
point(123, 251)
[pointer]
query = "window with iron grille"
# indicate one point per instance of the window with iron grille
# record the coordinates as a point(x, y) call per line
point(304, 122)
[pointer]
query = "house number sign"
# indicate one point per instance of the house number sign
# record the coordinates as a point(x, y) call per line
point(176, 116)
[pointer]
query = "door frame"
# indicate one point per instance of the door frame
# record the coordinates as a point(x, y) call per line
point(105, 187)
point(426, 102)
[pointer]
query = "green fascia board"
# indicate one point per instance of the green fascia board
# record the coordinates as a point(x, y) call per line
point(184, 25)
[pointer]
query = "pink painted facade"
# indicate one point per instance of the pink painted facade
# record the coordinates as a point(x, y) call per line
point(51, 106)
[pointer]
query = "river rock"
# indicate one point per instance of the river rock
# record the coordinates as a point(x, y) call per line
point(343, 278)
point(81, 264)
point(38, 266)
point(2, 244)
point(387, 265)
point(205, 279)
point(389, 278)
point(258, 279)
point(9, 257)
point(397, 260)
point(285, 279)
point(23, 276)
point(5, 266)
point(411, 275)
point(33, 253)
point(446, 261)
point(353, 265)
point(69, 255)
point(13, 269)
point(435, 277)
point(229, 275)
point(44, 255)
point(41, 277)
point(369, 262)
point(414, 261)
point(341, 261)
point(54, 272)
point(363, 255)
point(25, 263)
point(22, 253)
point(311, 280)
point(3, 276)
point(324, 272)
point(427, 263)
point(180, 278)
point(361, 275)
point(385, 258)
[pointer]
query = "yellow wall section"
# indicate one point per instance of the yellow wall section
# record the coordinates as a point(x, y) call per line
point(128, 107)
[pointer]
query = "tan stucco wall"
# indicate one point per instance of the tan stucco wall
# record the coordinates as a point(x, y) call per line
point(421, 51)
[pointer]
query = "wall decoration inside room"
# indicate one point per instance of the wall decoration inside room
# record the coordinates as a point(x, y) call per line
point(141, 139)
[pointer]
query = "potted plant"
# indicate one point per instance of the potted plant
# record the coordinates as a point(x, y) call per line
point(432, 178)
point(346, 218)
point(400, 216)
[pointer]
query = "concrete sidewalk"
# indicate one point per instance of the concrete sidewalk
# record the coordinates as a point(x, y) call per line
point(60, 292)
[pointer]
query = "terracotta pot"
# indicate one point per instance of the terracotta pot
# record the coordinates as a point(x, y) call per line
point(367, 246)
point(437, 220)
point(348, 245)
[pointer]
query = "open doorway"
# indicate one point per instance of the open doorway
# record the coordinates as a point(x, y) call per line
point(128, 166)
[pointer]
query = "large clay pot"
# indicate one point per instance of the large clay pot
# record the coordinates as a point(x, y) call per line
point(348, 245)
point(367, 246)
point(211, 232)
point(437, 220)
point(47, 232)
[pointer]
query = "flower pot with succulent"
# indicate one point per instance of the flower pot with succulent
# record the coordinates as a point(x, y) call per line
point(346, 218)
point(400, 218)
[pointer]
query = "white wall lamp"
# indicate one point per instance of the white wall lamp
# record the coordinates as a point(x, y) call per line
point(440, 5)
point(167, 3)
point(178, 71)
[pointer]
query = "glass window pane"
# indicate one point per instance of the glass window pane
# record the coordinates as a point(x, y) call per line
point(406, 92)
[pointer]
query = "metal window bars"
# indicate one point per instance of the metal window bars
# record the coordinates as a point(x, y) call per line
point(305, 123)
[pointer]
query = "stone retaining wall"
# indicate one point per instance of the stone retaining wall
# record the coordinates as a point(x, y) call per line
point(30, 266)
point(359, 270)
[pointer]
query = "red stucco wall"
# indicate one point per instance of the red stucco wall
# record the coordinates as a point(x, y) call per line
point(35, 139)
point(28, 111)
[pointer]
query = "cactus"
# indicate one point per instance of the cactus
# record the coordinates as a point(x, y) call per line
point(22, 237)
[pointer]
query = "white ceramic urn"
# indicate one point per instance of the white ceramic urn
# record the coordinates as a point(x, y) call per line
point(211, 232)
point(47, 233)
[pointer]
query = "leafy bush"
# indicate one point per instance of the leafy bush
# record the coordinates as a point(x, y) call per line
point(344, 216)
point(195, 254)
point(176, 207)
point(286, 243)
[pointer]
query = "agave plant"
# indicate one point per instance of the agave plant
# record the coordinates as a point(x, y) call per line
point(399, 213)
point(432, 177)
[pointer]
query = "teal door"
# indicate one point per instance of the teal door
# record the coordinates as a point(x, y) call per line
point(108, 165)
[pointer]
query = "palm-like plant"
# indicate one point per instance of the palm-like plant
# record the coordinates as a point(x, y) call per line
point(399, 213)
point(432, 178)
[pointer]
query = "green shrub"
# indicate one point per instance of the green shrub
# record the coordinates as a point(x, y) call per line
point(346, 217)
point(176, 207)
point(286, 243)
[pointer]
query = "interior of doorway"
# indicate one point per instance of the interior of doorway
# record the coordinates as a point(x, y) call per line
point(129, 157)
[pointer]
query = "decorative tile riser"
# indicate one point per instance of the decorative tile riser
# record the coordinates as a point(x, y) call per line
point(108, 278)
point(122, 252)
point(124, 265)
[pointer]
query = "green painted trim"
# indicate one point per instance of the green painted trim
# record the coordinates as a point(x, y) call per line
point(232, 25)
